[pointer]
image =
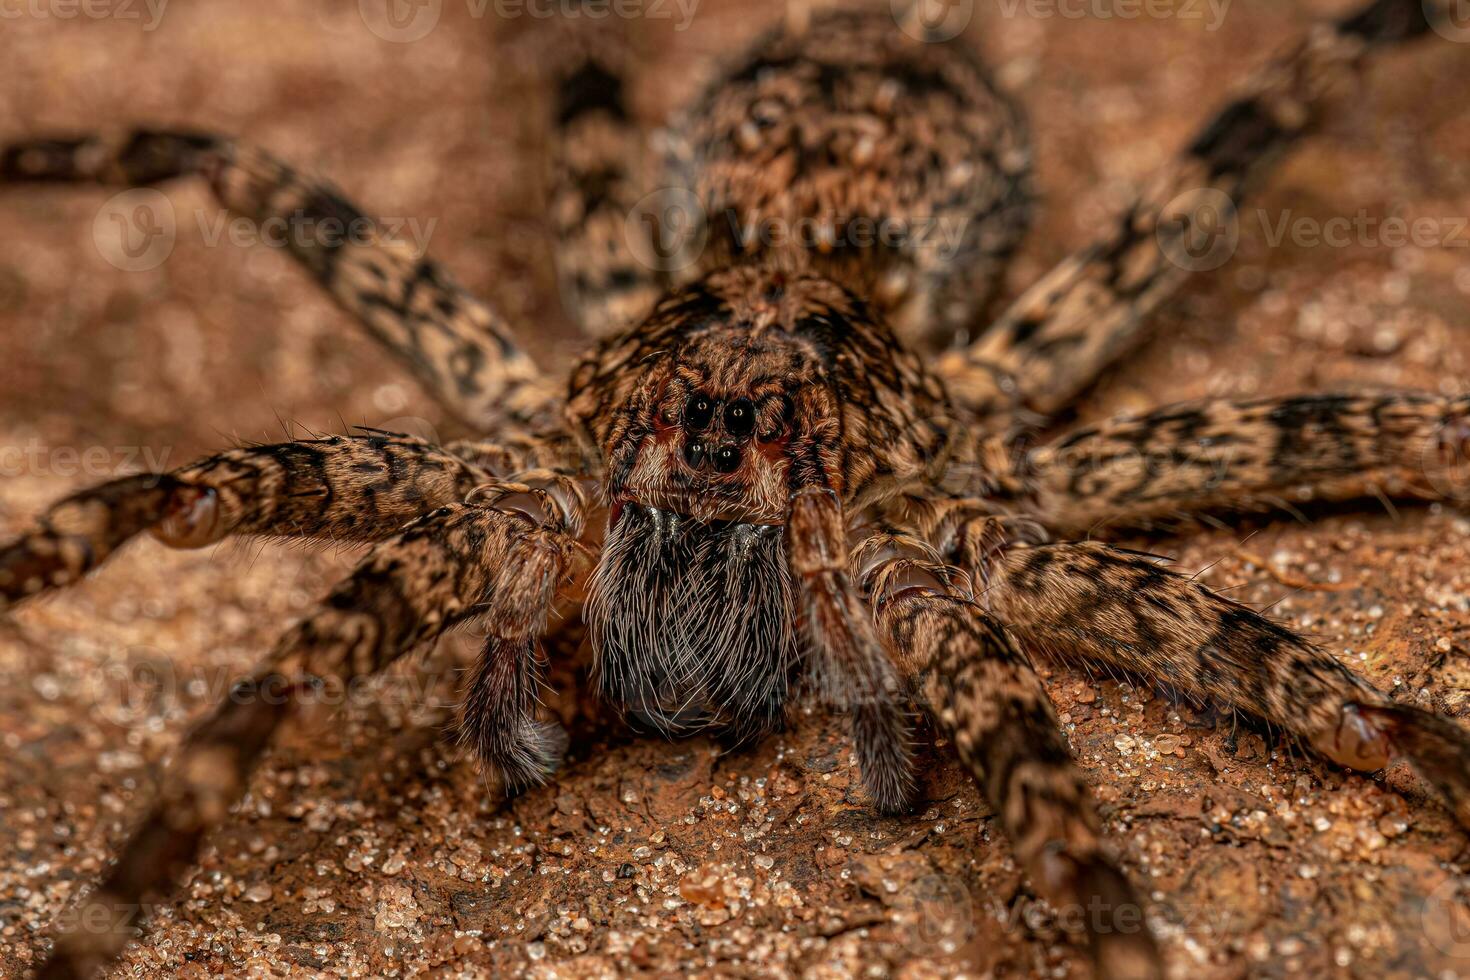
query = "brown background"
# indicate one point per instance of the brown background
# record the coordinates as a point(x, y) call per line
point(369, 846)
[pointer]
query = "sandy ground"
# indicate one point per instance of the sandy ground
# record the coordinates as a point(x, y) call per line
point(369, 846)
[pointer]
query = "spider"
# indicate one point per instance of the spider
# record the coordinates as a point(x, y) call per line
point(779, 484)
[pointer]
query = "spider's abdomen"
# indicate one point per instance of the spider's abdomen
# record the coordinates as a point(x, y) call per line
point(853, 150)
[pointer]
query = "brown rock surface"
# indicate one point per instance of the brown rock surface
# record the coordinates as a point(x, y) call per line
point(369, 847)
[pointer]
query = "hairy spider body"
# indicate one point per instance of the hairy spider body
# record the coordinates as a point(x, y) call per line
point(780, 489)
point(820, 137)
point(853, 151)
point(740, 390)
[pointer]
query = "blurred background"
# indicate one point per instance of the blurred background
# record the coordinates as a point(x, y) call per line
point(370, 847)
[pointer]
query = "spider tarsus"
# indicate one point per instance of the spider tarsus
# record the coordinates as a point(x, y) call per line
point(79, 533)
point(885, 754)
point(1122, 946)
point(1355, 742)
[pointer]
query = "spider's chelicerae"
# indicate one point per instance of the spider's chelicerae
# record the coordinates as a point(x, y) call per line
point(778, 487)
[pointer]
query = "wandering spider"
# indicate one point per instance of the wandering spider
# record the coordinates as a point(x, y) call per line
point(778, 491)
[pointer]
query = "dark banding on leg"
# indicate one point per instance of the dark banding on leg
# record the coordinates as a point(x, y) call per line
point(986, 698)
point(1096, 604)
point(459, 348)
point(457, 563)
point(359, 488)
point(598, 176)
point(1093, 307)
point(1250, 455)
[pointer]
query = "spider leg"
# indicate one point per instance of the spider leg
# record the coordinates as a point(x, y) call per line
point(987, 699)
point(460, 349)
point(1094, 305)
point(598, 177)
point(457, 563)
point(1096, 604)
point(499, 718)
point(851, 667)
point(359, 488)
point(1251, 455)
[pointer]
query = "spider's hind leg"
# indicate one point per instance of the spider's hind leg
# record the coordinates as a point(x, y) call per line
point(1095, 305)
point(460, 349)
point(599, 173)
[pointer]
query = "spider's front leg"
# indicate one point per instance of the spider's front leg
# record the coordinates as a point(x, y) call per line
point(500, 561)
point(1090, 603)
point(986, 698)
point(361, 488)
point(1254, 454)
point(1095, 603)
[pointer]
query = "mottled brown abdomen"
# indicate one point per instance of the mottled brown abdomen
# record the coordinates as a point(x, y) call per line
point(853, 150)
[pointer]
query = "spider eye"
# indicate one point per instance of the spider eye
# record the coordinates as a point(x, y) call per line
point(740, 418)
point(726, 459)
point(699, 410)
point(694, 453)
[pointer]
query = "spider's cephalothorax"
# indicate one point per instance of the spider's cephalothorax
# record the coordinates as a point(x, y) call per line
point(739, 392)
point(779, 472)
